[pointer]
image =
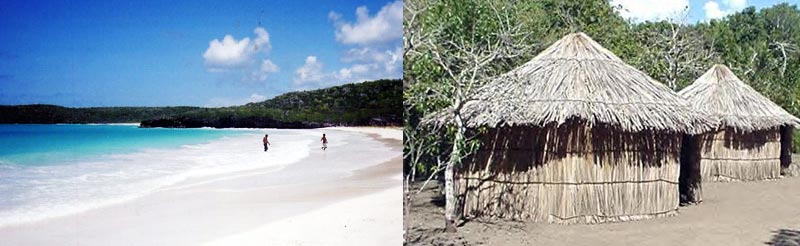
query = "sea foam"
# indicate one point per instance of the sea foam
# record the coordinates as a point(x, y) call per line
point(40, 192)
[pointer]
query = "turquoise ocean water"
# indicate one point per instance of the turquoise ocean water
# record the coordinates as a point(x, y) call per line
point(53, 170)
point(48, 171)
point(32, 145)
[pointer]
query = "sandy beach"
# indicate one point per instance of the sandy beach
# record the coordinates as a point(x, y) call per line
point(732, 214)
point(343, 195)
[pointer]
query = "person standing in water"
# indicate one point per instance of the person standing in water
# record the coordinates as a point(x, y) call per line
point(324, 142)
point(266, 142)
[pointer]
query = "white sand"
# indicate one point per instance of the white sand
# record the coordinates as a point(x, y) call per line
point(384, 132)
point(315, 198)
point(374, 219)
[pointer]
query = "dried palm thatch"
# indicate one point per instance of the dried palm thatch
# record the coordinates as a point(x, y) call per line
point(733, 103)
point(576, 136)
point(730, 155)
point(577, 78)
point(754, 133)
point(572, 174)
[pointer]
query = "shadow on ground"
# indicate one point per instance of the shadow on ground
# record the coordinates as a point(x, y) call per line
point(785, 237)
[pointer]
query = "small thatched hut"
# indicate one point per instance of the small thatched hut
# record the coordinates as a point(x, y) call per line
point(753, 139)
point(576, 135)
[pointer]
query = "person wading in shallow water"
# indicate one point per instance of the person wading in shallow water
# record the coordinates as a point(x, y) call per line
point(266, 142)
point(324, 142)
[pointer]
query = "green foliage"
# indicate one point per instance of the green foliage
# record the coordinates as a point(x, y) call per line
point(451, 25)
point(795, 143)
point(368, 103)
point(50, 114)
point(346, 104)
point(760, 46)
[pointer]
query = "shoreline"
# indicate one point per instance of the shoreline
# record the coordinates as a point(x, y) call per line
point(222, 205)
point(371, 218)
point(108, 179)
point(385, 132)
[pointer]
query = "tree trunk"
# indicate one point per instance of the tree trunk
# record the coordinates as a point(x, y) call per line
point(449, 174)
point(450, 200)
point(406, 208)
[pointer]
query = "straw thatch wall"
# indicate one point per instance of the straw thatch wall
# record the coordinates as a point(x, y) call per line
point(572, 174)
point(730, 155)
point(755, 143)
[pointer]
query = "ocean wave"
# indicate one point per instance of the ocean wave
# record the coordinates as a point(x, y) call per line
point(39, 192)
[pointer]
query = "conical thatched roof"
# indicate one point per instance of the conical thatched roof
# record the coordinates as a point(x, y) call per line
point(576, 78)
point(724, 96)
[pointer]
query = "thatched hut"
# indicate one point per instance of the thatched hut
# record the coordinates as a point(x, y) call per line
point(753, 139)
point(576, 135)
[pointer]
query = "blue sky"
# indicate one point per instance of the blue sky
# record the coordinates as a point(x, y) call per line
point(690, 11)
point(198, 53)
point(214, 53)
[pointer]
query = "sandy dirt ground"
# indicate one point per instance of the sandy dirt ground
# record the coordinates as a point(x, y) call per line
point(732, 214)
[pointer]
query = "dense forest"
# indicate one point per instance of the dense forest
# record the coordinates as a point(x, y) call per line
point(454, 46)
point(374, 103)
point(367, 103)
point(50, 114)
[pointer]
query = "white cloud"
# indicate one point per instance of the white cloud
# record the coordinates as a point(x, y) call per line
point(650, 10)
point(312, 74)
point(365, 63)
point(266, 68)
point(226, 54)
point(261, 42)
point(354, 71)
point(395, 60)
point(245, 58)
point(385, 26)
point(375, 50)
point(737, 4)
point(714, 10)
point(230, 53)
point(311, 71)
point(256, 98)
point(366, 54)
point(390, 60)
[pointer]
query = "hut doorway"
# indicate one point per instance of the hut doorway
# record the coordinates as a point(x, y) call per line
point(689, 181)
point(786, 148)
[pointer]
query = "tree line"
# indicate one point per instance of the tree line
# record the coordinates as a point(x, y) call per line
point(357, 104)
point(372, 103)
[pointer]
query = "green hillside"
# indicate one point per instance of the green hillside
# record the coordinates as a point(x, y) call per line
point(369, 103)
